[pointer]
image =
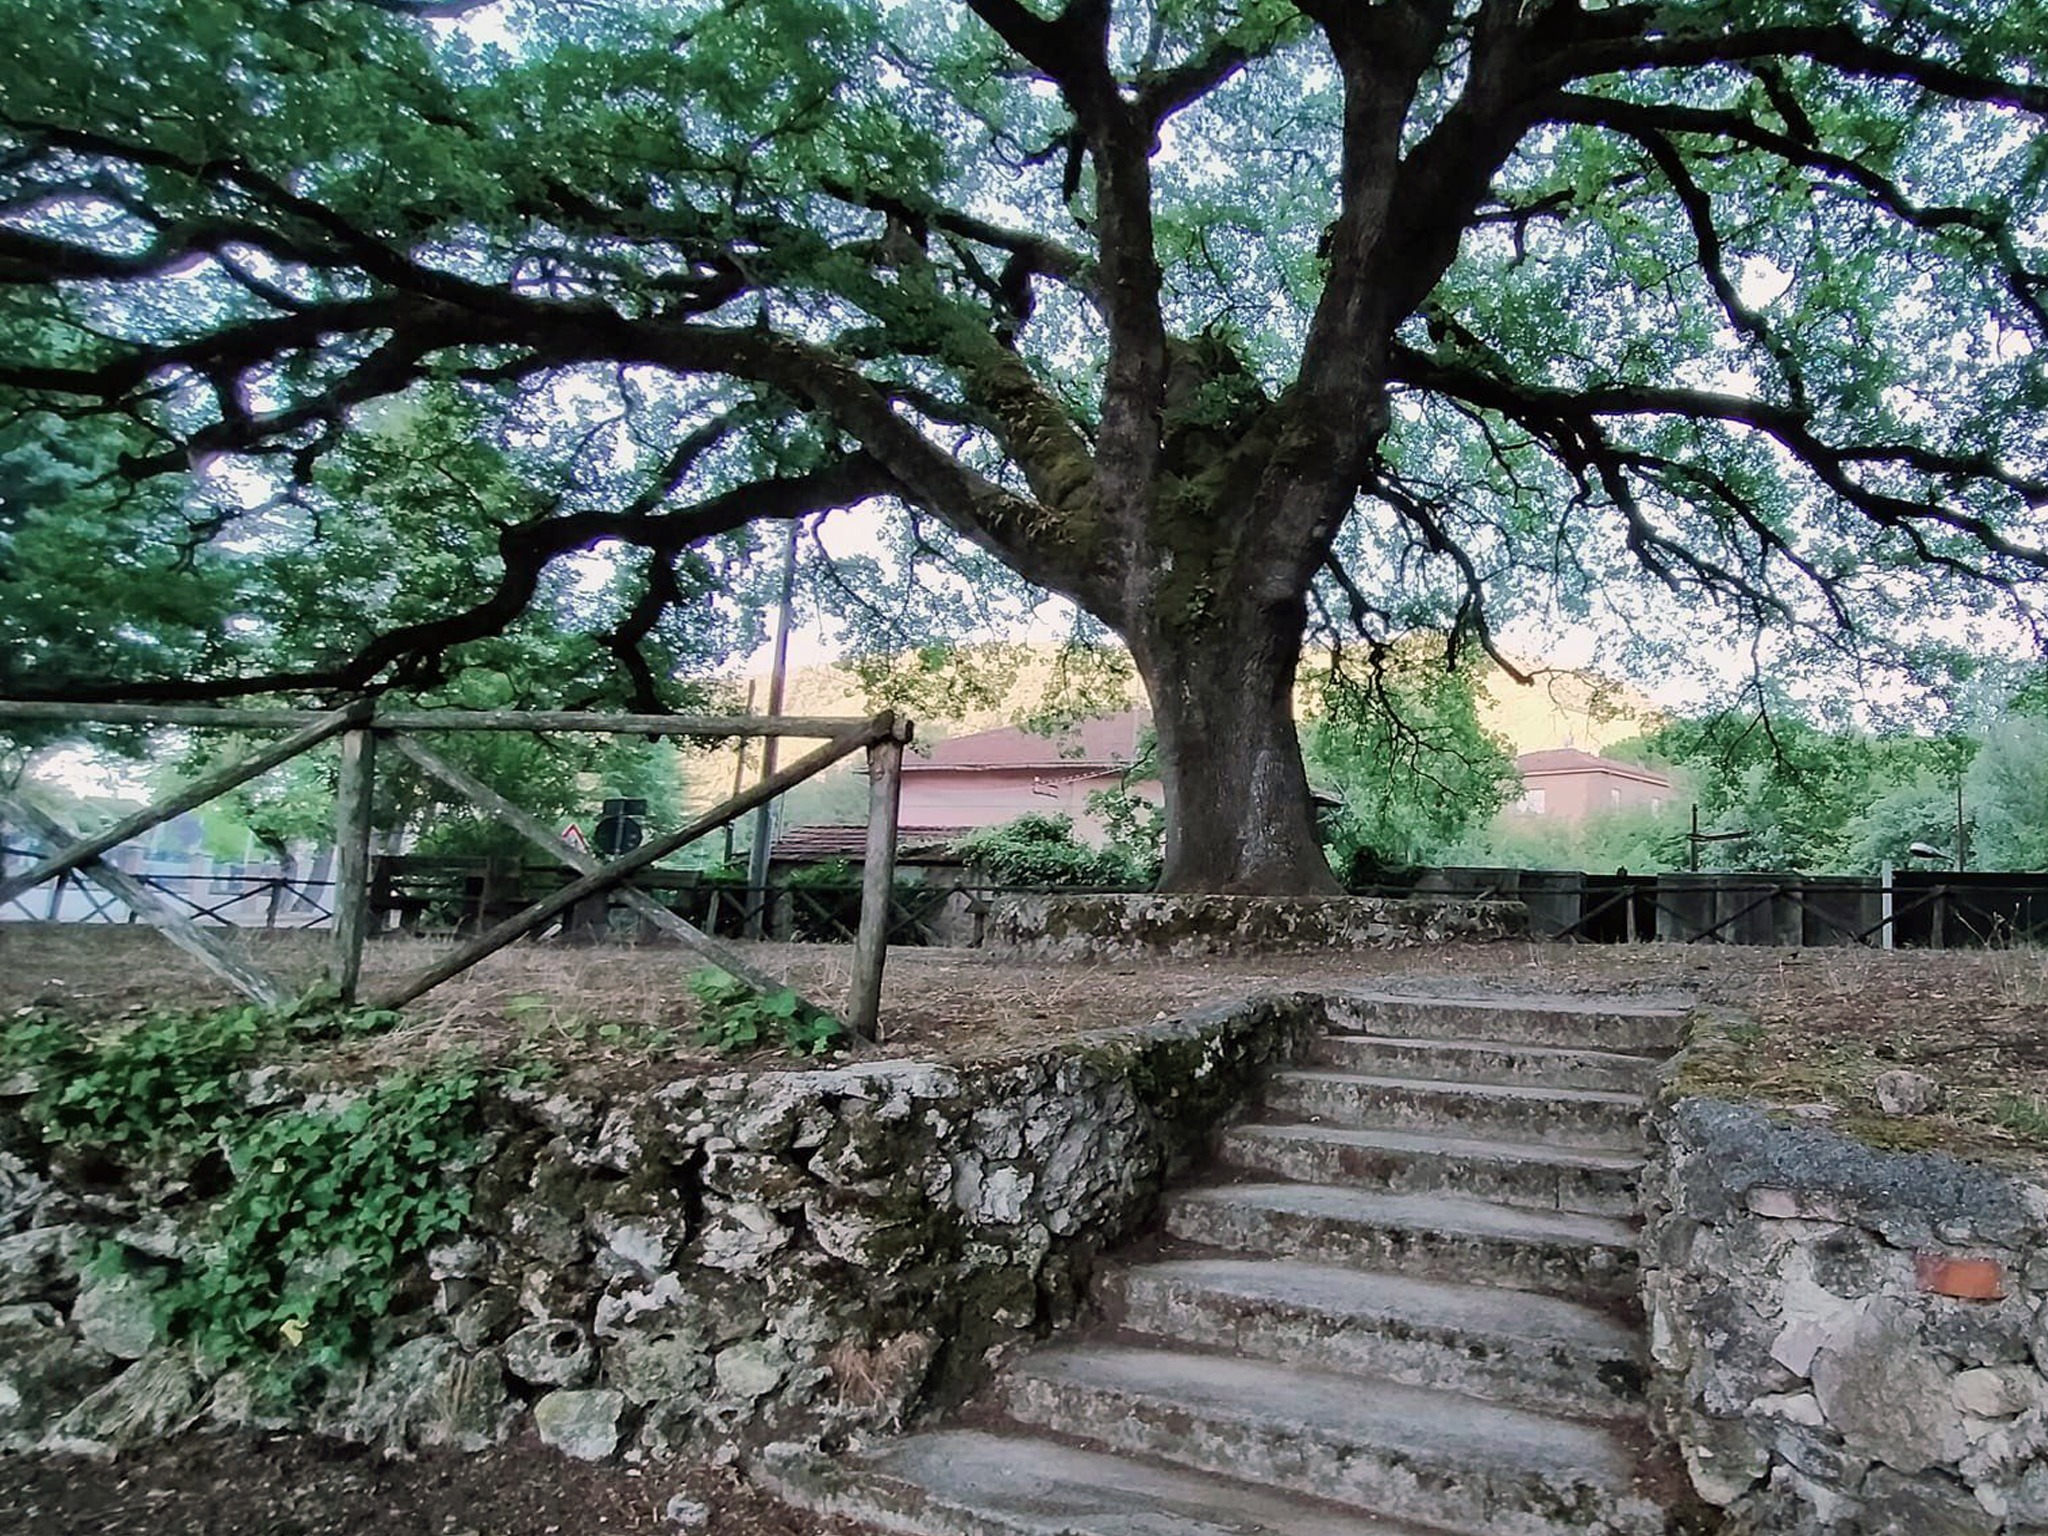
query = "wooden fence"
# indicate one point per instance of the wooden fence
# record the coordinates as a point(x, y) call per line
point(1921, 909)
point(364, 732)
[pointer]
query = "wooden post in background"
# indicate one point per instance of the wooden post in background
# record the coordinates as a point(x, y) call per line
point(878, 879)
point(352, 807)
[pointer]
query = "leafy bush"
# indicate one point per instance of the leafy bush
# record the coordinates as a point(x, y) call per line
point(1136, 829)
point(165, 1085)
point(322, 1204)
point(307, 1247)
point(737, 1018)
point(1043, 850)
point(834, 874)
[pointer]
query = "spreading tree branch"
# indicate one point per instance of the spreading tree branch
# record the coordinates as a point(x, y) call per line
point(414, 656)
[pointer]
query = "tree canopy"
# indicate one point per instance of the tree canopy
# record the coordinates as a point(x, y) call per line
point(1224, 319)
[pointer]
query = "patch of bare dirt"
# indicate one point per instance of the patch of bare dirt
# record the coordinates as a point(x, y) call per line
point(295, 1485)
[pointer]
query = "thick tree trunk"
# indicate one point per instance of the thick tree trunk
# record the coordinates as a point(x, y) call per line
point(1239, 817)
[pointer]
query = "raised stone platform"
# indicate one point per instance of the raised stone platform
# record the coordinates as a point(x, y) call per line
point(1061, 927)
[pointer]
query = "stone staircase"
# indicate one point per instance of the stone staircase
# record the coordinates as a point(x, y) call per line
point(1411, 1310)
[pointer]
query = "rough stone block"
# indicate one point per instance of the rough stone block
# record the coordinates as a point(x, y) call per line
point(584, 1425)
point(1887, 1395)
point(1930, 1505)
point(428, 1392)
point(155, 1397)
point(1725, 1458)
point(1977, 1333)
point(1904, 1092)
point(37, 1264)
point(21, 1187)
point(117, 1314)
point(551, 1354)
point(1997, 1393)
point(750, 1370)
point(1793, 1205)
point(44, 1371)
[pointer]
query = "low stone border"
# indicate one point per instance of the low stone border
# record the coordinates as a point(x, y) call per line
point(1846, 1340)
point(1058, 927)
point(689, 1269)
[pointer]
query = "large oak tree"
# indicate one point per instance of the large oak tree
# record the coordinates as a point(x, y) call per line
point(1218, 318)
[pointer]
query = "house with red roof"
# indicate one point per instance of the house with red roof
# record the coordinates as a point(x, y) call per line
point(1570, 785)
point(989, 778)
point(993, 777)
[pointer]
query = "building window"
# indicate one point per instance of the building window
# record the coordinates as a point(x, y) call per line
point(1531, 803)
point(1614, 799)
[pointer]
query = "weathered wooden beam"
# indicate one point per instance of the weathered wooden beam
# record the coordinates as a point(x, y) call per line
point(877, 881)
point(159, 714)
point(617, 873)
point(198, 792)
point(153, 908)
point(537, 832)
point(354, 800)
point(824, 727)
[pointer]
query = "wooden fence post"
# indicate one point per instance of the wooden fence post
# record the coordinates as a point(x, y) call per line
point(352, 807)
point(878, 879)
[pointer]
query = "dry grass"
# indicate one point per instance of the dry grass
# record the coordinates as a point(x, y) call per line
point(1796, 1027)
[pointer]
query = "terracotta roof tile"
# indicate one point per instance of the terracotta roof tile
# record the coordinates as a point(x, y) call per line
point(1110, 741)
point(1572, 760)
point(914, 845)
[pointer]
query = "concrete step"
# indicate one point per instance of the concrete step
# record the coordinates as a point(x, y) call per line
point(1389, 1450)
point(1605, 1024)
point(1507, 1346)
point(1433, 1237)
point(1412, 1162)
point(1487, 1061)
point(1564, 1117)
point(974, 1483)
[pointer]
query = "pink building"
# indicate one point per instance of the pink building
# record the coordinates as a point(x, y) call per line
point(993, 777)
point(987, 779)
point(1571, 785)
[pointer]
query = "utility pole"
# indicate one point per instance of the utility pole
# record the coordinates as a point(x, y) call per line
point(764, 819)
point(739, 769)
point(1962, 850)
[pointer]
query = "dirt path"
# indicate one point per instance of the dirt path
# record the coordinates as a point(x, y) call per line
point(292, 1485)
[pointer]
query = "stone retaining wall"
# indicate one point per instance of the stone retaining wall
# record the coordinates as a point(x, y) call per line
point(1057, 927)
point(1847, 1341)
point(686, 1269)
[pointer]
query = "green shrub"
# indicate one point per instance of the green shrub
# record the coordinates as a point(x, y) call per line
point(166, 1085)
point(1042, 850)
point(737, 1018)
point(307, 1247)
